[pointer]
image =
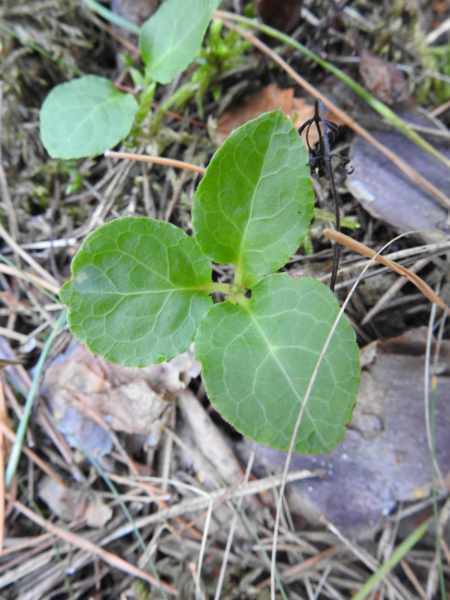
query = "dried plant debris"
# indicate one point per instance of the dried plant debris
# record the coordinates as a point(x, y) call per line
point(81, 387)
point(214, 460)
point(383, 79)
point(72, 504)
point(385, 457)
point(268, 98)
point(136, 11)
point(388, 195)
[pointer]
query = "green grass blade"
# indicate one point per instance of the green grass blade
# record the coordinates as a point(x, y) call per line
point(108, 15)
point(395, 558)
point(23, 425)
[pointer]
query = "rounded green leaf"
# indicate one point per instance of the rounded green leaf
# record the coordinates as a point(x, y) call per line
point(254, 205)
point(85, 117)
point(171, 38)
point(258, 357)
point(139, 288)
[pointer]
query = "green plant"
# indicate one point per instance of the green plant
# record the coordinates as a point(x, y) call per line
point(142, 290)
point(89, 115)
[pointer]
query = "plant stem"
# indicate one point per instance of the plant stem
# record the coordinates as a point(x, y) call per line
point(145, 103)
point(108, 15)
point(180, 97)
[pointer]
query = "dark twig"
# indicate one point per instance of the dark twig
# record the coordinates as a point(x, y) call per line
point(320, 161)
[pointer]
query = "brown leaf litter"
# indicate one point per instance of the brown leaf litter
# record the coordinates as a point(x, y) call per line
point(267, 99)
point(135, 401)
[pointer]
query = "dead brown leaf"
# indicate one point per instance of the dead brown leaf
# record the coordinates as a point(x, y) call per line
point(267, 99)
point(383, 79)
point(134, 401)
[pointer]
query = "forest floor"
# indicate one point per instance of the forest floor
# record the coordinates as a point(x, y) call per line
point(129, 483)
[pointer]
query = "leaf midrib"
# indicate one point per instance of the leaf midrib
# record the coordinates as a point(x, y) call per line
point(252, 203)
point(279, 364)
point(91, 114)
point(173, 48)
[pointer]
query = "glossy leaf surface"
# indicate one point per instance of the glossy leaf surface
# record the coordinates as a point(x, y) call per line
point(258, 358)
point(254, 205)
point(172, 37)
point(85, 117)
point(138, 291)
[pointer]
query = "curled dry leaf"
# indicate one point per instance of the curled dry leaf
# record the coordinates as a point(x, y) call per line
point(135, 401)
point(385, 457)
point(72, 504)
point(283, 15)
point(383, 79)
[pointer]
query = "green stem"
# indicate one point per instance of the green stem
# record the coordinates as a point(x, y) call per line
point(388, 114)
point(180, 97)
point(23, 425)
point(108, 15)
point(394, 559)
point(145, 104)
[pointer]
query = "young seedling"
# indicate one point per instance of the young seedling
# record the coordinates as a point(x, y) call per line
point(141, 293)
point(142, 290)
point(89, 115)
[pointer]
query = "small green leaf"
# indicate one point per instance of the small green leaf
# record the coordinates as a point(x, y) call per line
point(254, 205)
point(139, 288)
point(172, 37)
point(85, 117)
point(258, 357)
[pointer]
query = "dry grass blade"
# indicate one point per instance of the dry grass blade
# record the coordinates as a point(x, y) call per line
point(427, 399)
point(413, 579)
point(295, 571)
point(231, 533)
point(75, 540)
point(363, 250)
point(34, 279)
point(31, 455)
point(27, 258)
point(157, 160)
point(6, 196)
point(220, 495)
point(392, 292)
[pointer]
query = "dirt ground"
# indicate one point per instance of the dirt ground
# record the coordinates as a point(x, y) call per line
point(132, 493)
